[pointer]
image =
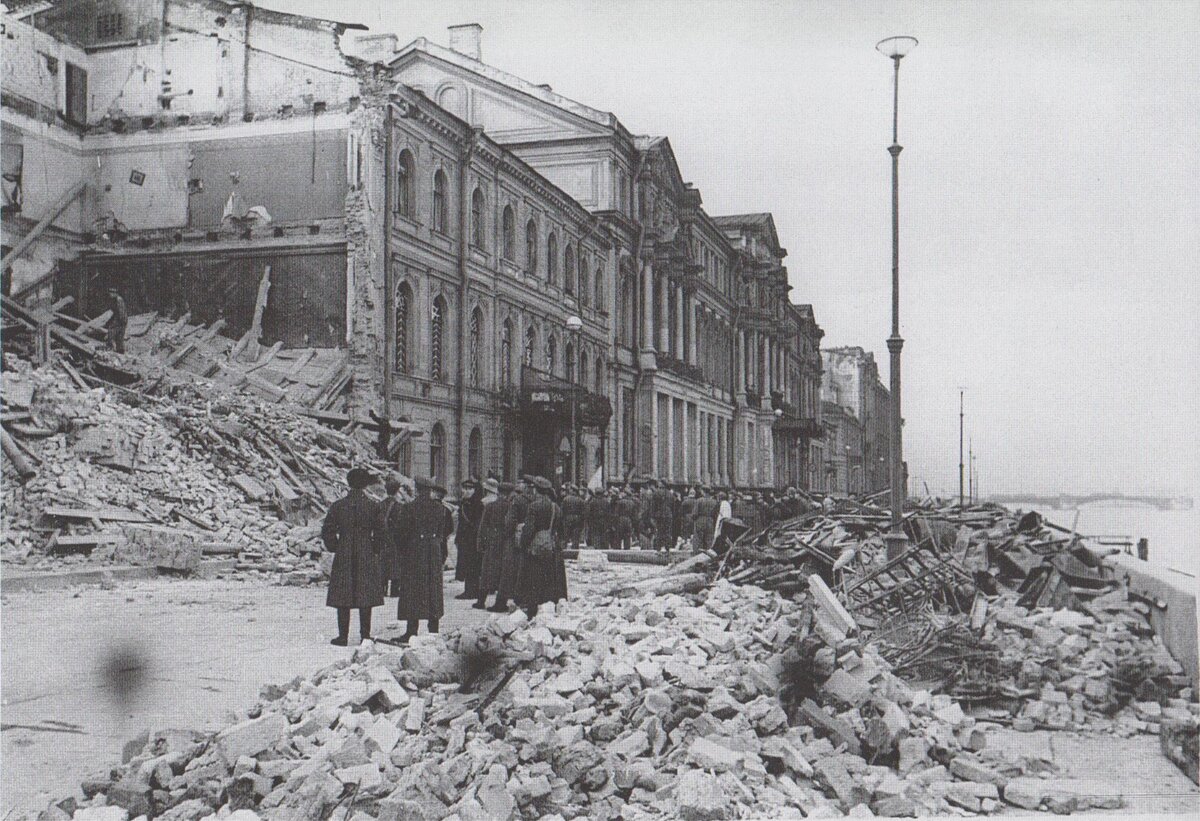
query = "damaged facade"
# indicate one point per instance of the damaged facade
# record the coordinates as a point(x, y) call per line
point(851, 382)
point(434, 219)
point(710, 381)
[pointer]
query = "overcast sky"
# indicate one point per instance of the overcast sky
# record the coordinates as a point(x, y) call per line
point(1050, 192)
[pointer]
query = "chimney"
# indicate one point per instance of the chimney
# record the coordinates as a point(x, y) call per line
point(374, 47)
point(465, 39)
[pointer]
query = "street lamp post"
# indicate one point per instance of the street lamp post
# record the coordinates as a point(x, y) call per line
point(575, 325)
point(960, 449)
point(895, 48)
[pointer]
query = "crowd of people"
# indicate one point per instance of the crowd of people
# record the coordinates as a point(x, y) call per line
point(509, 538)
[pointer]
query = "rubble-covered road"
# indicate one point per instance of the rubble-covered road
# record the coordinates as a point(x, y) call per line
point(199, 650)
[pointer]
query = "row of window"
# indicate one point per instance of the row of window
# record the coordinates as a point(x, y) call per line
point(574, 366)
point(577, 283)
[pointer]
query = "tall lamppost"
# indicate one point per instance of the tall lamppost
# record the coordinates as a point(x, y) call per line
point(895, 48)
point(575, 325)
point(960, 449)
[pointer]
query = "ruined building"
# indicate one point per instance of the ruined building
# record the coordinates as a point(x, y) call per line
point(851, 382)
point(528, 284)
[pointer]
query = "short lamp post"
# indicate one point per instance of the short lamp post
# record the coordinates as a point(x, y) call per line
point(895, 48)
point(575, 326)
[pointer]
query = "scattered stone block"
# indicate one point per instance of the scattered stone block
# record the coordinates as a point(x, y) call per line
point(251, 737)
point(699, 796)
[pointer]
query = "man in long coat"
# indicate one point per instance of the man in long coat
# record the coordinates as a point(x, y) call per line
point(687, 514)
point(627, 510)
point(389, 511)
point(664, 516)
point(572, 513)
point(542, 579)
point(596, 512)
point(705, 520)
point(514, 518)
point(420, 531)
point(350, 531)
point(466, 539)
point(491, 541)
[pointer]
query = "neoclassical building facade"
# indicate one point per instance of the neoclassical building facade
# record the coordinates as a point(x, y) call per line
point(711, 372)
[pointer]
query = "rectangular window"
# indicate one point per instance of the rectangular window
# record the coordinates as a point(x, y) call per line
point(110, 25)
point(76, 110)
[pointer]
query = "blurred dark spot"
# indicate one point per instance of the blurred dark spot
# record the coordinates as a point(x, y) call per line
point(124, 672)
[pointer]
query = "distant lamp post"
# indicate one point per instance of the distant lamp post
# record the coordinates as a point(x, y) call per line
point(895, 48)
point(575, 326)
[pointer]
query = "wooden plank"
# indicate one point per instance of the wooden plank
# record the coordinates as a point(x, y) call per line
point(95, 323)
point(266, 360)
point(179, 353)
point(305, 356)
point(104, 514)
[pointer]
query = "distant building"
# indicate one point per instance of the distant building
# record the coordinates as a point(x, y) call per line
point(851, 381)
point(843, 450)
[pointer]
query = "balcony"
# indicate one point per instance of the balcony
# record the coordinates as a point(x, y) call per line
point(804, 427)
point(679, 368)
point(541, 393)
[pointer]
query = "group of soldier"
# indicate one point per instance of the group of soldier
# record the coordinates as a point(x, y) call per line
point(399, 546)
point(651, 515)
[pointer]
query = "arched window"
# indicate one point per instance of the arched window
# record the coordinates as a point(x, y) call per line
point(569, 270)
point(437, 320)
point(600, 302)
point(509, 227)
point(476, 331)
point(628, 319)
point(552, 259)
point(531, 247)
point(530, 345)
point(404, 460)
point(569, 360)
point(506, 349)
point(599, 375)
point(404, 184)
point(585, 282)
point(441, 215)
point(437, 454)
point(477, 235)
point(583, 368)
point(551, 353)
point(403, 328)
point(475, 454)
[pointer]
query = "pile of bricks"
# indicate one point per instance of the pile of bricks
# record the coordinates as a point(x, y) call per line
point(127, 477)
point(726, 702)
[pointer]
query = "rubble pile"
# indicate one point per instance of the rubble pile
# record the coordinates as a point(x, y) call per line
point(726, 702)
point(165, 476)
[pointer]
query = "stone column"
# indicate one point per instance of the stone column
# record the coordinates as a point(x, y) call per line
point(647, 307)
point(679, 320)
point(741, 361)
point(666, 471)
point(693, 327)
point(664, 329)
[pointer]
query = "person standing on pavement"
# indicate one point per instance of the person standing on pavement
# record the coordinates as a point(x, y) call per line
point(572, 512)
point(542, 578)
point(389, 511)
point(490, 542)
point(421, 531)
point(351, 532)
point(119, 321)
point(664, 516)
point(466, 540)
point(514, 520)
point(596, 512)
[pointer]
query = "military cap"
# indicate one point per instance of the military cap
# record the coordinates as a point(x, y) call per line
point(359, 478)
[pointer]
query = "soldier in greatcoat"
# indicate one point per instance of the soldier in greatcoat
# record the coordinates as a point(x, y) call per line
point(350, 531)
point(542, 579)
point(466, 538)
point(646, 518)
point(514, 519)
point(421, 531)
point(664, 516)
point(687, 514)
point(491, 541)
point(596, 513)
point(572, 512)
point(625, 528)
point(704, 520)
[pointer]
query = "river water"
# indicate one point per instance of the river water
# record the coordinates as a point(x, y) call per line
point(1174, 534)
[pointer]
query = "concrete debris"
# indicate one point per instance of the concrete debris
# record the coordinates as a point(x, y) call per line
point(167, 474)
point(585, 713)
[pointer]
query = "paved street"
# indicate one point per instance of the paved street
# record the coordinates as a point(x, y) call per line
point(187, 653)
